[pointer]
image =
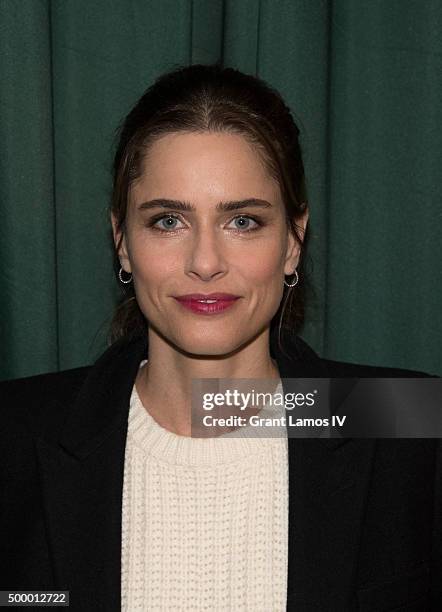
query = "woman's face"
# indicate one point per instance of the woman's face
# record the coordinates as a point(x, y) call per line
point(182, 239)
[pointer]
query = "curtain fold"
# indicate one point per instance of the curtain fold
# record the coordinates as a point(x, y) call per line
point(384, 293)
point(28, 235)
point(363, 82)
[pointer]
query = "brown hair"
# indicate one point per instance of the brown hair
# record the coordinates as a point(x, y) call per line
point(202, 98)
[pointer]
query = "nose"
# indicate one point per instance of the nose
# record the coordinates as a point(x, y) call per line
point(206, 256)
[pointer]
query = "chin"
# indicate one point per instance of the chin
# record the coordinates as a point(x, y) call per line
point(215, 343)
point(205, 347)
point(206, 338)
point(204, 343)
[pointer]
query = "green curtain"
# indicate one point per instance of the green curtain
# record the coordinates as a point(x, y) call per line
point(363, 81)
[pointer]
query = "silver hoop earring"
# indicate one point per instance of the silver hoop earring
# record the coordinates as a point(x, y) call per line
point(296, 281)
point(121, 278)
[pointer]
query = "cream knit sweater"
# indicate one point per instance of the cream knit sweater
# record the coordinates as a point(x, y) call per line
point(204, 524)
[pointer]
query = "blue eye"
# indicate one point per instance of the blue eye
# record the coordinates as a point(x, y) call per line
point(169, 222)
point(243, 223)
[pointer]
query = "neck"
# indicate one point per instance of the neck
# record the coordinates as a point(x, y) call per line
point(164, 384)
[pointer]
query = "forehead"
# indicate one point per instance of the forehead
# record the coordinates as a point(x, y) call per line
point(206, 163)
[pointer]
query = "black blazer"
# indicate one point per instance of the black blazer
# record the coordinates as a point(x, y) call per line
point(365, 515)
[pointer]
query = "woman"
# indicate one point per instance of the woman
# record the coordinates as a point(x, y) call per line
point(109, 495)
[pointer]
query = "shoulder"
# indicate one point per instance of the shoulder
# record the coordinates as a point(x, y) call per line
point(30, 386)
point(27, 403)
point(338, 369)
point(300, 351)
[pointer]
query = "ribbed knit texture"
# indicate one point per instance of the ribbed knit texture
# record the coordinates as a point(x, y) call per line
point(204, 524)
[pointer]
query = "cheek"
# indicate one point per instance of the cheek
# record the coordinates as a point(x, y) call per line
point(152, 265)
point(263, 273)
point(263, 266)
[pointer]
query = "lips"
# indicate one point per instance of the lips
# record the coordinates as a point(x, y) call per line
point(207, 296)
point(211, 303)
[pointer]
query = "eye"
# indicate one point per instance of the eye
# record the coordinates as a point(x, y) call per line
point(165, 223)
point(245, 223)
point(169, 223)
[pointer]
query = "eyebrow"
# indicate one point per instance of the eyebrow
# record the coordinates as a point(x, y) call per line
point(187, 207)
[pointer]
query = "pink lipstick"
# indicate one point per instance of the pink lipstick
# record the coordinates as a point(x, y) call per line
point(212, 303)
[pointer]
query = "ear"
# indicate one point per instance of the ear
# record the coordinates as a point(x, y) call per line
point(122, 253)
point(293, 247)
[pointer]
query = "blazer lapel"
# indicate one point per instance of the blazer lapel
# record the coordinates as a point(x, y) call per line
point(328, 487)
point(82, 472)
point(82, 506)
point(82, 480)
